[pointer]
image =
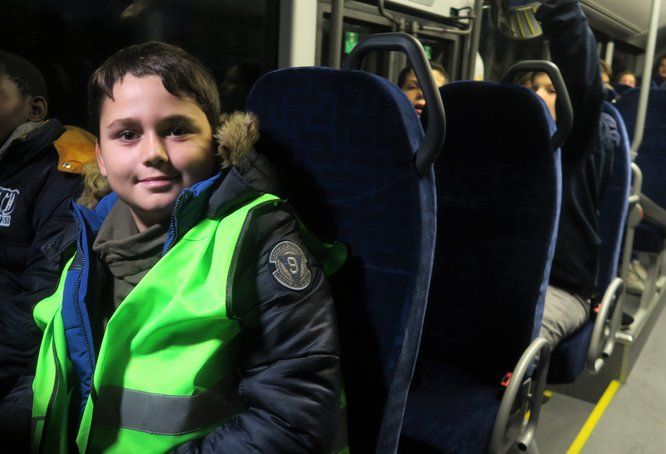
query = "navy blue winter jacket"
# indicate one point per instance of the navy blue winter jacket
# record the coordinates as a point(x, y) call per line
point(36, 186)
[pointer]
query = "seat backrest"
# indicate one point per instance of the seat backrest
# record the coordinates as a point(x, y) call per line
point(345, 143)
point(652, 154)
point(614, 204)
point(620, 89)
point(498, 189)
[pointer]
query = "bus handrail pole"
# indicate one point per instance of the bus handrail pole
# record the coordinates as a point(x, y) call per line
point(647, 74)
point(335, 44)
point(476, 37)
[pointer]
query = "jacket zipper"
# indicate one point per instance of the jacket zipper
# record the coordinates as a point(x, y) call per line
point(77, 304)
point(174, 223)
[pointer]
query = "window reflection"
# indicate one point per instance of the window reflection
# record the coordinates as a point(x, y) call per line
point(67, 39)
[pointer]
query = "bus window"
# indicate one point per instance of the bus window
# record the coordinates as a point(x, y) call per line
point(236, 39)
point(361, 20)
point(625, 58)
point(353, 31)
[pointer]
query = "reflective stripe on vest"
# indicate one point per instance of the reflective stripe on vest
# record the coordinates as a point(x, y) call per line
point(165, 369)
point(164, 414)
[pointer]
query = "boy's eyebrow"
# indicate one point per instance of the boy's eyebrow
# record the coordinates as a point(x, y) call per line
point(122, 122)
point(185, 119)
point(132, 122)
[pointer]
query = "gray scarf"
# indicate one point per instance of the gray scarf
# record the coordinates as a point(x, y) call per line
point(128, 254)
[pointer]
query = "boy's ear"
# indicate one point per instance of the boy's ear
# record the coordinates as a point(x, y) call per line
point(100, 159)
point(38, 108)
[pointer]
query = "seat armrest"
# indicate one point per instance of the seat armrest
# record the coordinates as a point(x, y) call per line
point(524, 394)
point(606, 326)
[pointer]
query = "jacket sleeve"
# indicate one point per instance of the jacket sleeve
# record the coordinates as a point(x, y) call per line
point(573, 50)
point(19, 336)
point(289, 365)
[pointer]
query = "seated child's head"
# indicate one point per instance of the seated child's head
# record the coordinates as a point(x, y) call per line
point(155, 108)
point(541, 84)
point(627, 78)
point(22, 94)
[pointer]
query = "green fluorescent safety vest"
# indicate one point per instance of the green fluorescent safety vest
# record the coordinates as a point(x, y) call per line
point(164, 373)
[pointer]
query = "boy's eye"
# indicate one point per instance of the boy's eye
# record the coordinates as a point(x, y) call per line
point(177, 131)
point(128, 135)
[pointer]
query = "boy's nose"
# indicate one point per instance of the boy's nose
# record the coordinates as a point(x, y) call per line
point(155, 151)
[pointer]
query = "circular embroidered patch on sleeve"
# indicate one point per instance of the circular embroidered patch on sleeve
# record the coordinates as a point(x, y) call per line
point(291, 265)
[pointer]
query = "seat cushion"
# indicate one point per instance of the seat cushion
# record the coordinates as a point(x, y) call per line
point(568, 359)
point(648, 239)
point(449, 411)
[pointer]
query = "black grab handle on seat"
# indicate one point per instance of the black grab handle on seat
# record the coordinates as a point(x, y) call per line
point(562, 103)
point(411, 47)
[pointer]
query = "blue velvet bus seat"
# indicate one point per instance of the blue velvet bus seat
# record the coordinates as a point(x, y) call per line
point(569, 358)
point(498, 189)
point(620, 89)
point(651, 159)
point(344, 141)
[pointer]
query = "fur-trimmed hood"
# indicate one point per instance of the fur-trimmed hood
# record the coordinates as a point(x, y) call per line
point(236, 136)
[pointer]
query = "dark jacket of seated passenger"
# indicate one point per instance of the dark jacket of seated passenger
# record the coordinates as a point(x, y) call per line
point(40, 173)
point(585, 162)
point(288, 369)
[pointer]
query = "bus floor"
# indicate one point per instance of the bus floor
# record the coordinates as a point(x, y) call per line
point(627, 418)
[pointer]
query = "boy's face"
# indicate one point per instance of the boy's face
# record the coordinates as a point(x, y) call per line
point(152, 145)
point(628, 79)
point(14, 107)
point(543, 87)
point(412, 89)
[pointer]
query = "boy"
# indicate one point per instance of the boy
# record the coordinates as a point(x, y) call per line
point(586, 166)
point(410, 86)
point(40, 172)
point(627, 78)
point(192, 317)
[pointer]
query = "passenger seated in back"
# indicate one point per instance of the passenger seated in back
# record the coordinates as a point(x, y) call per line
point(627, 78)
point(586, 166)
point(40, 173)
point(410, 85)
point(659, 72)
point(191, 316)
point(610, 94)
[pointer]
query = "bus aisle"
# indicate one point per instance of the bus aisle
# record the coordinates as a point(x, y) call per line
point(625, 418)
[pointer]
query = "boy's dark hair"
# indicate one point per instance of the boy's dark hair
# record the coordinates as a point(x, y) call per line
point(407, 69)
point(525, 79)
point(181, 73)
point(24, 74)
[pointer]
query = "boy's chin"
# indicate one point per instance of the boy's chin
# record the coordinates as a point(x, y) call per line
point(152, 213)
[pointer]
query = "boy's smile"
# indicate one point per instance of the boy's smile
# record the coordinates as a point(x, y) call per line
point(152, 145)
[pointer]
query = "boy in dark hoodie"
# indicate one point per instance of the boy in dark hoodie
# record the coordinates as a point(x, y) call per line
point(40, 172)
point(191, 315)
point(586, 166)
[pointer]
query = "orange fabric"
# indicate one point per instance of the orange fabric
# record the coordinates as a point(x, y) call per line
point(76, 147)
